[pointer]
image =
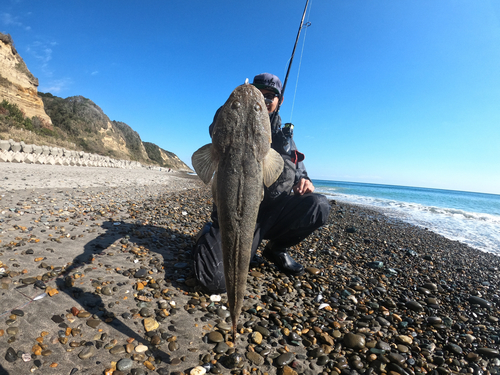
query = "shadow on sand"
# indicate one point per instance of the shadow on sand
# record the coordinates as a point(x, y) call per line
point(162, 242)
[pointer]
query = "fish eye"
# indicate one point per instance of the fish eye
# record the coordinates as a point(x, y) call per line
point(235, 105)
point(257, 107)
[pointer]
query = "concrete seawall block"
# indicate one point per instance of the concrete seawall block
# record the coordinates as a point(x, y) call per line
point(17, 157)
point(5, 156)
point(4, 145)
point(37, 150)
point(27, 149)
point(39, 159)
point(15, 147)
point(19, 152)
point(28, 158)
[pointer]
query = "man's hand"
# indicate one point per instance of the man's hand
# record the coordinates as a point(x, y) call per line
point(304, 186)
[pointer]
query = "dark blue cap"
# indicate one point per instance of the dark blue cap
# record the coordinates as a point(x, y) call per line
point(267, 81)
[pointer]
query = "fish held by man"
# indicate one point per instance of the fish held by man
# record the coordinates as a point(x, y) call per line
point(241, 162)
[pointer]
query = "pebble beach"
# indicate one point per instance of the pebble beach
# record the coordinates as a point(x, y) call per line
point(96, 278)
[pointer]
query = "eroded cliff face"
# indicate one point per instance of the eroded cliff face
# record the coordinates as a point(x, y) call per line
point(17, 84)
point(173, 161)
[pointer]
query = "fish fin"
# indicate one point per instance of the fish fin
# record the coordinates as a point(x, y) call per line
point(203, 163)
point(273, 166)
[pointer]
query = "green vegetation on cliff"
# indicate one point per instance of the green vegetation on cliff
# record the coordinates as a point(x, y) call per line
point(78, 120)
point(12, 116)
point(154, 153)
point(78, 123)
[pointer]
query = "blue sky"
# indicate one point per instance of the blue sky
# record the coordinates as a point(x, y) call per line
point(390, 92)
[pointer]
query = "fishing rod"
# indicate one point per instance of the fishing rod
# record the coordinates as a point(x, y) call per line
point(290, 64)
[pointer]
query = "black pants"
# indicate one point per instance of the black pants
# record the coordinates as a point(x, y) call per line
point(286, 222)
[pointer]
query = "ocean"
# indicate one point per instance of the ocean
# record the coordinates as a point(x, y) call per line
point(471, 218)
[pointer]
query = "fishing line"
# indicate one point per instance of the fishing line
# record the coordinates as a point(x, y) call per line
point(300, 64)
point(307, 24)
point(274, 115)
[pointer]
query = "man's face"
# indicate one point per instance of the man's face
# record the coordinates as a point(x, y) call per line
point(271, 95)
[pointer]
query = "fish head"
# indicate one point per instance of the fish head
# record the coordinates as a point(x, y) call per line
point(243, 121)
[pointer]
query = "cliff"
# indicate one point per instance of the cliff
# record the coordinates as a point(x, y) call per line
point(17, 84)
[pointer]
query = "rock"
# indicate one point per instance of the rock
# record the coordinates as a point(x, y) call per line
point(404, 339)
point(124, 364)
point(93, 323)
point(215, 336)
point(479, 301)
point(488, 352)
point(141, 273)
point(396, 358)
point(255, 358)
point(106, 291)
point(10, 355)
point(234, 360)
point(118, 349)
point(12, 331)
point(354, 341)
point(150, 324)
point(256, 337)
point(221, 347)
point(198, 370)
point(313, 270)
point(284, 359)
point(141, 348)
point(415, 306)
point(88, 352)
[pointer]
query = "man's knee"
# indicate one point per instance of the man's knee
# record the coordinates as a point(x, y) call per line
point(319, 209)
point(208, 264)
point(323, 205)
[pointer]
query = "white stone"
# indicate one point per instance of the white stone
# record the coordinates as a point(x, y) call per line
point(215, 298)
point(141, 348)
point(198, 370)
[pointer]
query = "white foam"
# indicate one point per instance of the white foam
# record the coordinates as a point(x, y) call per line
point(478, 230)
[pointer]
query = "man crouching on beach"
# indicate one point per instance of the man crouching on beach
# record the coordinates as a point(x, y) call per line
point(284, 219)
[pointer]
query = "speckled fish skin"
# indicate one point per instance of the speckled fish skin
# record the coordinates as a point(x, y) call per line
point(242, 136)
point(241, 141)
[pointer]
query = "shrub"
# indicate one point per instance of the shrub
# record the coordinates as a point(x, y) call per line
point(13, 111)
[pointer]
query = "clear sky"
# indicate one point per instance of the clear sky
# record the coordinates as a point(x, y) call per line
point(389, 91)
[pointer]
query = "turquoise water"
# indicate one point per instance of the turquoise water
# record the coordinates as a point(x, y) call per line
point(471, 218)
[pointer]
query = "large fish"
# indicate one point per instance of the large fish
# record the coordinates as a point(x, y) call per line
point(241, 161)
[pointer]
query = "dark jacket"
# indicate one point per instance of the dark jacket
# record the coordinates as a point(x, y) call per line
point(294, 168)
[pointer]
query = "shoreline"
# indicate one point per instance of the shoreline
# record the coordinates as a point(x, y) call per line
point(379, 294)
point(475, 229)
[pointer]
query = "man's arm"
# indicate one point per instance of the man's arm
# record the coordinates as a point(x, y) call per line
point(303, 184)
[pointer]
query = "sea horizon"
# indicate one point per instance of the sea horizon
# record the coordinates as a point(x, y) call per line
point(472, 218)
point(403, 186)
